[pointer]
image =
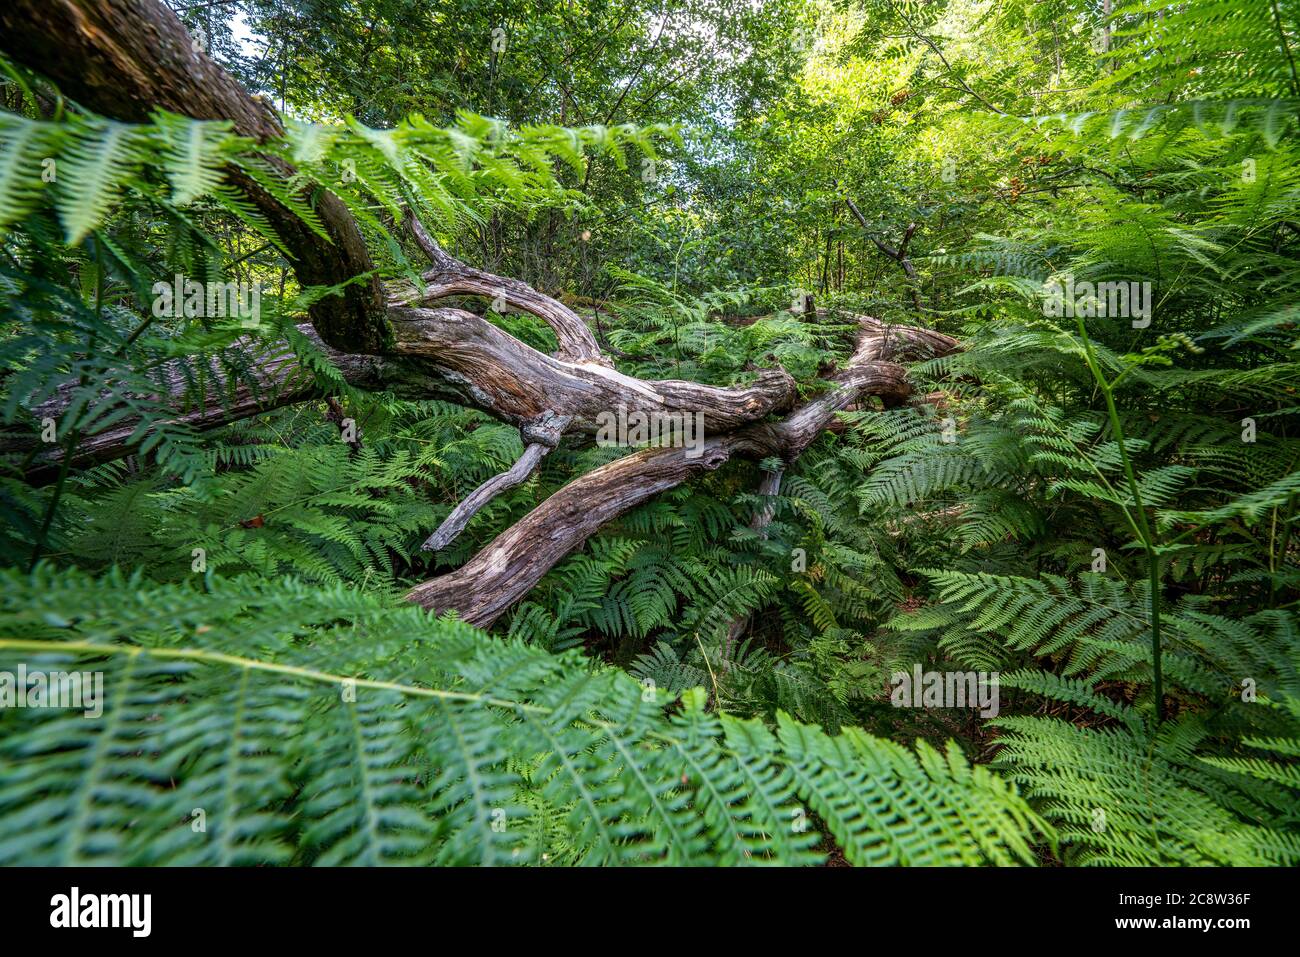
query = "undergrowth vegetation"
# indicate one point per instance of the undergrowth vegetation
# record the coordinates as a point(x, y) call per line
point(1098, 509)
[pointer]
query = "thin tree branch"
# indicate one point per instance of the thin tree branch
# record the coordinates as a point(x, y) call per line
point(542, 436)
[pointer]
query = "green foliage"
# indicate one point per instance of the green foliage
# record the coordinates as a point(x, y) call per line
point(1096, 780)
point(691, 685)
point(447, 173)
point(256, 722)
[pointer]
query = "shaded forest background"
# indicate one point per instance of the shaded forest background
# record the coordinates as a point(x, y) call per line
point(1097, 507)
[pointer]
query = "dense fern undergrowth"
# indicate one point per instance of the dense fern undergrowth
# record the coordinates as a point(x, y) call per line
point(1098, 511)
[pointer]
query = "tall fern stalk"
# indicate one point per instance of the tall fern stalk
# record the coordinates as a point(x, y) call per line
point(1139, 522)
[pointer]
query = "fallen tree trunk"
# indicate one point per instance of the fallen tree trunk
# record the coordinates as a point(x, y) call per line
point(442, 353)
point(515, 561)
point(267, 379)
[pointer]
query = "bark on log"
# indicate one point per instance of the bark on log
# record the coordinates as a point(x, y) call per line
point(541, 436)
point(460, 516)
point(271, 380)
point(455, 354)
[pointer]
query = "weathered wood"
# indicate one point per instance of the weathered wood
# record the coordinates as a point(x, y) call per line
point(457, 355)
point(508, 568)
point(542, 436)
point(768, 490)
point(455, 523)
point(451, 277)
point(515, 561)
point(270, 378)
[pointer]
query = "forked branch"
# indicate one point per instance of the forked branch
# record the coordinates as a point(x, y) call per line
point(542, 436)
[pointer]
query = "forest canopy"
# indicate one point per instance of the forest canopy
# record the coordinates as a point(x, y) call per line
point(634, 432)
